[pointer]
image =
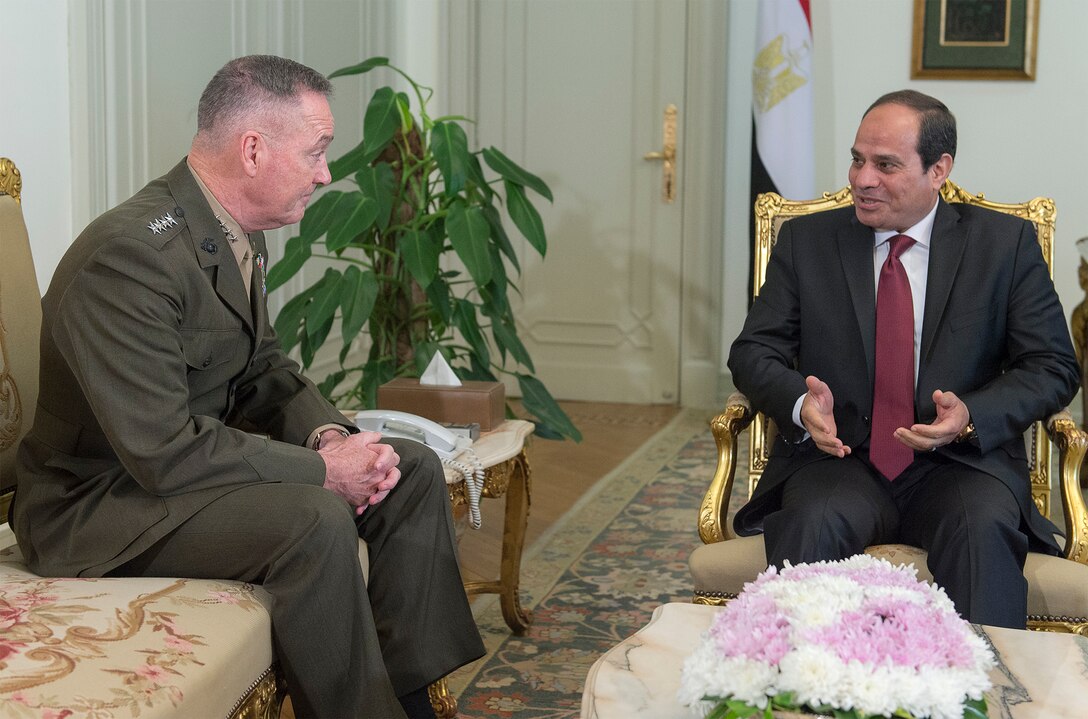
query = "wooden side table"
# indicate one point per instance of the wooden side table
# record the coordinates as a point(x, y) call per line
point(507, 473)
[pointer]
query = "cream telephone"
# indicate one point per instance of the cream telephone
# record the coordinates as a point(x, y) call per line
point(392, 423)
point(455, 450)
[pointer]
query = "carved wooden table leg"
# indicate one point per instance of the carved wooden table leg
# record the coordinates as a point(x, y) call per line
point(518, 498)
point(512, 479)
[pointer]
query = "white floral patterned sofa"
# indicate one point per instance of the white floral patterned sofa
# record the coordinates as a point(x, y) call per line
point(109, 648)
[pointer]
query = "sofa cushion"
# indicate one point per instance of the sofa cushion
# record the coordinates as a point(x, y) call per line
point(724, 567)
point(147, 647)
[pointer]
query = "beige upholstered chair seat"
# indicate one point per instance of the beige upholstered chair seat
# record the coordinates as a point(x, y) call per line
point(721, 569)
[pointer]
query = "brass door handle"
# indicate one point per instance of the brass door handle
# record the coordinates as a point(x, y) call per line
point(667, 155)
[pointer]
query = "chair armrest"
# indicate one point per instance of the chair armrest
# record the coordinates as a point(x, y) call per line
point(1072, 444)
point(726, 428)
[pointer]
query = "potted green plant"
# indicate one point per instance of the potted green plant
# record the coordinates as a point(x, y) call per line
point(418, 257)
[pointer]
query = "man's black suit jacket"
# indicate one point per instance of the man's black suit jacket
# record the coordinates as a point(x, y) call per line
point(993, 332)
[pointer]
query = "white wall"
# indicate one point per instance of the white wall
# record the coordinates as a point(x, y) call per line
point(35, 127)
point(1017, 139)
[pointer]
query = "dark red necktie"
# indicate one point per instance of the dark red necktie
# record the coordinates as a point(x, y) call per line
point(893, 390)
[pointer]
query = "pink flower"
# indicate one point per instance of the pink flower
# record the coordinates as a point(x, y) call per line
point(151, 672)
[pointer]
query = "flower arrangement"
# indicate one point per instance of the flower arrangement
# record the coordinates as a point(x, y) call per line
point(853, 639)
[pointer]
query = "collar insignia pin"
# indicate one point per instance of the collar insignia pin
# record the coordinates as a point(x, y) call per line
point(208, 246)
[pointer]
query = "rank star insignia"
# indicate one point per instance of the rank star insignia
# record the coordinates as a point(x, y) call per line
point(162, 224)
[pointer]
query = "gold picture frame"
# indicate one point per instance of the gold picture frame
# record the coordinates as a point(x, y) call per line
point(993, 40)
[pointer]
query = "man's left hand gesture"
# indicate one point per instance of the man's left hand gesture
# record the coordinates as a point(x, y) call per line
point(952, 417)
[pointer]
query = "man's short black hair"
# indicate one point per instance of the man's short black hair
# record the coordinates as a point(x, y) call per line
point(937, 129)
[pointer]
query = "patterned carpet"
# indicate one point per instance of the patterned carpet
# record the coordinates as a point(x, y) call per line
point(594, 579)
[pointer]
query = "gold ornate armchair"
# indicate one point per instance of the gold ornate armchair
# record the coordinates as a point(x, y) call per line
point(1057, 586)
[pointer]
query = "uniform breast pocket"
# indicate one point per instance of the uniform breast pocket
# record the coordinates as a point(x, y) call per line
point(215, 359)
point(206, 349)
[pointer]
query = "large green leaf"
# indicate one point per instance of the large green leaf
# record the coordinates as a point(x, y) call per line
point(537, 400)
point(376, 182)
point(353, 215)
point(506, 337)
point(469, 233)
point(438, 292)
point(319, 215)
point(469, 326)
point(289, 320)
point(450, 148)
point(376, 372)
point(312, 341)
point(358, 291)
point(420, 255)
point(362, 67)
point(498, 233)
point(326, 300)
point(498, 272)
point(509, 170)
point(380, 123)
point(349, 162)
point(476, 175)
point(295, 254)
point(525, 216)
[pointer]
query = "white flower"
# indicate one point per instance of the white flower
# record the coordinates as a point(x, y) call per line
point(812, 673)
point(706, 673)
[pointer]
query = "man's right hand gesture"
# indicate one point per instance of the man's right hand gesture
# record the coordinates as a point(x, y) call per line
point(818, 417)
point(359, 468)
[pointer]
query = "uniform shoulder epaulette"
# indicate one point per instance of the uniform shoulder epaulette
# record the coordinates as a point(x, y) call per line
point(161, 225)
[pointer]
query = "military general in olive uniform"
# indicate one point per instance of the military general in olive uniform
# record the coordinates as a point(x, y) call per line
point(160, 372)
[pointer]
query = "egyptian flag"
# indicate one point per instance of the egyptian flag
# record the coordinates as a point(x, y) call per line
point(782, 113)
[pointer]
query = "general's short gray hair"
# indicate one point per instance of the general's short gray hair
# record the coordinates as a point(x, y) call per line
point(254, 85)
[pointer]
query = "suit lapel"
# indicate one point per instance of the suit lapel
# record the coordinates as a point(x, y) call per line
point(856, 253)
point(209, 245)
point(946, 248)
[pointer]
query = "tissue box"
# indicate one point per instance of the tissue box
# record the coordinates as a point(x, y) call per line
point(480, 402)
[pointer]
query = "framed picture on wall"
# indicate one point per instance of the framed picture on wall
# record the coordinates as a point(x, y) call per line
point(975, 39)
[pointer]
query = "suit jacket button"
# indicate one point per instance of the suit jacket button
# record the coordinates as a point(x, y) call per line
point(179, 212)
point(207, 361)
point(866, 420)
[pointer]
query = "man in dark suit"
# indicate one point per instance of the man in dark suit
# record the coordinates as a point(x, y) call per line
point(983, 351)
point(157, 356)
